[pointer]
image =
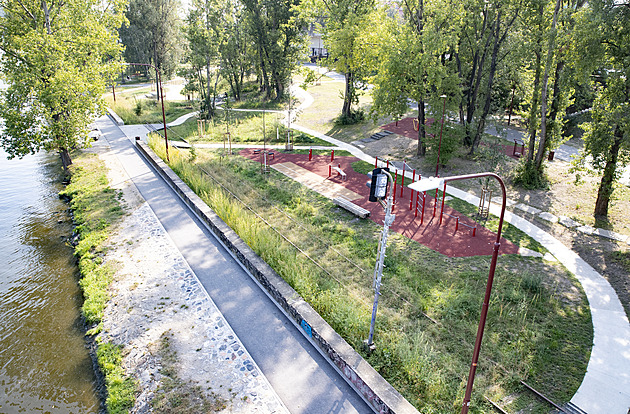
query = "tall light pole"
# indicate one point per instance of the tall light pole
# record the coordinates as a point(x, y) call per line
point(160, 97)
point(434, 182)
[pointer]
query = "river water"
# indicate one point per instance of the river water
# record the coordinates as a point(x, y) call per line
point(44, 364)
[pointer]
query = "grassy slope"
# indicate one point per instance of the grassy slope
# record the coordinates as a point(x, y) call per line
point(539, 327)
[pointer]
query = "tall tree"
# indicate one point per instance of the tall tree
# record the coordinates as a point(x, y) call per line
point(57, 58)
point(203, 31)
point(412, 60)
point(279, 36)
point(152, 34)
point(487, 25)
point(603, 43)
point(342, 26)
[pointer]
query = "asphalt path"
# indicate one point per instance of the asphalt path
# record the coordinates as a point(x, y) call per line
point(299, 374)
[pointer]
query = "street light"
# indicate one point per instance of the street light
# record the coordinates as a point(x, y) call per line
point(160, 96)
point(434, 182)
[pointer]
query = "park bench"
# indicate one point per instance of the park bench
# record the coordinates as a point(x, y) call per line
point(351, 207)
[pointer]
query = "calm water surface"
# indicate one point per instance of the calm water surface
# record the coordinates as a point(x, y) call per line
point(44, 365)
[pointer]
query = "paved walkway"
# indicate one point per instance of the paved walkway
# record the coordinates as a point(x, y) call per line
point(302, 378)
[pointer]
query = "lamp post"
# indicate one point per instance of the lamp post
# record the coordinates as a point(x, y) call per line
point(435, 182)
point(437, 166)
point(380, 261)
point(160, 97)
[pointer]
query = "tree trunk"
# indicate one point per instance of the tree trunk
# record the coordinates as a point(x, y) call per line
point(608, 178)
point(66, 161)
point(347, 98)
point(422, 148)
point(542, 144)
point(531, 147)
point(493, 68)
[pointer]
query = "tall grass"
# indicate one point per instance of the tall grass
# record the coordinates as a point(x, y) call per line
point(538, 325)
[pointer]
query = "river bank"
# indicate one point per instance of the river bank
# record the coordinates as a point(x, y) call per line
point(175, 345)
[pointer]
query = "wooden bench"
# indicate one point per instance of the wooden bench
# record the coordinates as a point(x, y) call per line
point(351, 207)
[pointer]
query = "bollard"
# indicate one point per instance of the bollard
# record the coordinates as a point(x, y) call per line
point(387, 163)
point(310, 154)
point(376, 162)
point(329, 171)
point(456, 224)
point(474, 231)
point(332, 155)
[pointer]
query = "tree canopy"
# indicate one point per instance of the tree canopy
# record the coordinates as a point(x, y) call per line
point(56, 58)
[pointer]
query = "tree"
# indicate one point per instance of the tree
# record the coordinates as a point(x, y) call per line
point(487, 25)
point(152, 34)
point(57, 59)
point(279, 37)
point(603, 42)
point(412, 61)
point(343, 24)
point(204, 34)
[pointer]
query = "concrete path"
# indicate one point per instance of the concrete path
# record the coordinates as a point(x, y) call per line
point(301, 377)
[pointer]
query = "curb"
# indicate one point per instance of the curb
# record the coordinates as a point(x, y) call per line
point(114, 117)
point(368, 383)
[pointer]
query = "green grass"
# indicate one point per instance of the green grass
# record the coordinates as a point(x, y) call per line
point(135, 109)
point(244, 127)
point(537, 329)
point(121, 389)
point(96, 207)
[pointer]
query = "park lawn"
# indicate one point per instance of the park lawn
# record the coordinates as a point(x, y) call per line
point(135, 108)
point(539, 326)
point(245, 128)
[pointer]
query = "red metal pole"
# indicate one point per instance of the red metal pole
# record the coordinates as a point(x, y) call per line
point(329, 171)
point(402, 186)
point(376, 162)
point(387, 163)
point(424, 198)
point(394, 189)
point(456, 224)
point(310, 154)
point(442, 209)
point(411, 201)
point(332, 155)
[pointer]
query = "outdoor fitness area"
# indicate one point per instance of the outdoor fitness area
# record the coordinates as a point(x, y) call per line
point(419, 216)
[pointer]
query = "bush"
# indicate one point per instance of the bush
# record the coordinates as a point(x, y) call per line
point(354, 117)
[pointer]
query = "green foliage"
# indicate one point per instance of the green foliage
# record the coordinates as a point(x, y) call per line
point(121, 389)
point(151, 34)
point(451, 142)
point(528, 176)
point(53, 60)
point(354, 117)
